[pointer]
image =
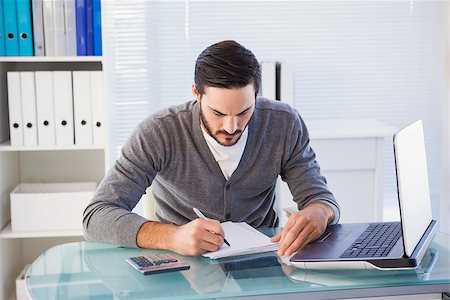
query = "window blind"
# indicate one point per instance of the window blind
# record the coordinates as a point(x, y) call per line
point(351, 59)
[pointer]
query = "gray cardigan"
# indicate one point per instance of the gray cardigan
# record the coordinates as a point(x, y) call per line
point(168, 151)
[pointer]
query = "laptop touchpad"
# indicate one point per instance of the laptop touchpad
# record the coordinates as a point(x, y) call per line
point(334, 235)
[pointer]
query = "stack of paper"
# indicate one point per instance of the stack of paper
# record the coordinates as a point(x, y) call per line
point(243, 239)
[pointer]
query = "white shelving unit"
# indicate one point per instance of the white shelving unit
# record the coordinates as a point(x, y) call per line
point(38, 164)
point(7, 233)
point(6, 146)
point(21, 59)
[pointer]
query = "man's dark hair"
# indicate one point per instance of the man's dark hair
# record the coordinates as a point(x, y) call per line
point(226, 64)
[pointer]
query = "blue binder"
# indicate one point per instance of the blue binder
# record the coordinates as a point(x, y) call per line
point(10, 18)
point(2, 31)
point(97, 16)
point(24, 22)
point(80, 16)
point(89, 28)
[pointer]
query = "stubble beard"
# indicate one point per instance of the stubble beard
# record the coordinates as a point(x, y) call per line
point(208, 129)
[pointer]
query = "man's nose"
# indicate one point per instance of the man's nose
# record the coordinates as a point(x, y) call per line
point(230, 124)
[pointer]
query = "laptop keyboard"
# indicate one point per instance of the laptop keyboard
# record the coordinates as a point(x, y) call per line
point(376, 241)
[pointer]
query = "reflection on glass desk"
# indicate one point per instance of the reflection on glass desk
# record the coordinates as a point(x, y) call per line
point(99, 271)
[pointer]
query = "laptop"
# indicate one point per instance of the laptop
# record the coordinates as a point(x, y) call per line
point(383, 245)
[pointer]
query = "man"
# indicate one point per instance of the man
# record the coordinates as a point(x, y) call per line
point(222, 154)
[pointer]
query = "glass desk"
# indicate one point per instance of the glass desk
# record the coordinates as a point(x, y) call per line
point(99, 271)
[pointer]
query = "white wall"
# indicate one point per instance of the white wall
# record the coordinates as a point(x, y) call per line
point(445, 202)
point(369, 59)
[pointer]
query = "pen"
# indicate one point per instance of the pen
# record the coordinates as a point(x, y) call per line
point(202, 216)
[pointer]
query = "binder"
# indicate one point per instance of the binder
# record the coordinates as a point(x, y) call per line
point(70, 25)
point(25, 33)
point(59, 28)
point(45, 108)
point(287, 83)
point(29, 118)
point(97, 23)
point(98, 107)
point(268, 80)
point(80, 15)
point(49, 35)
point(62, 92)
point(38, 28)
point(82, 107)
point(2, 32)
point(4, 112)
point(10, 19)
point(15, 109)
point(89, 28)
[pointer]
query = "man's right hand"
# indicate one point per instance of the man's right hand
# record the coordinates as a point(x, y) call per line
point(194, 238)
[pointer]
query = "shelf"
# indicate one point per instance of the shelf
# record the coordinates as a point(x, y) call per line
point(7, 233)
point(6, 146)
point(21, 59)
point(349, 128)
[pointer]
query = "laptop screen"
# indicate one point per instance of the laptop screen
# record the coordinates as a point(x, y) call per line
point(412, 182)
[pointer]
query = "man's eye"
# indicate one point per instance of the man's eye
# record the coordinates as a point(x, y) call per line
point(244, 113)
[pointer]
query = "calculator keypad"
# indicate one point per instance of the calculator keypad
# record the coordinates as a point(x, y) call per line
point(153, 260)
point(157, 263)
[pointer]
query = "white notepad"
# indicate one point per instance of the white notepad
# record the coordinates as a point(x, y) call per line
point(243, 239)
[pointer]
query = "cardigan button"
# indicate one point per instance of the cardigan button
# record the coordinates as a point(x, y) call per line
point(227, 187)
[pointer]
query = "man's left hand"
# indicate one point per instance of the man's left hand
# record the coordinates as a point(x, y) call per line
point(303, 227)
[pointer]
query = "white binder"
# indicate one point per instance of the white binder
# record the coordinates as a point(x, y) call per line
point(38, 28)
point(29, 118)
point(70, 26)
point(49, 35)
point(98, 107)
point(59, 28)
point(62, 95)
point(4, 127)
point(45, 108)
point(15, 109)
point(82, 107)
point(287, 83)
point(268, 80)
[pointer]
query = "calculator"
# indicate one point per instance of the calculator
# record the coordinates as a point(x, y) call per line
point(157, 263)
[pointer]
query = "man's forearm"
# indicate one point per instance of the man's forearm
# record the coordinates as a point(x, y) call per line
point(193, 238)
point(154, 235)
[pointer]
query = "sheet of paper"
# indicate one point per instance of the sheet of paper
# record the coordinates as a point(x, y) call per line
point(243, 239)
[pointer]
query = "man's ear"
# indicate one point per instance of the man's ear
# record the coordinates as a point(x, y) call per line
point(195, 92)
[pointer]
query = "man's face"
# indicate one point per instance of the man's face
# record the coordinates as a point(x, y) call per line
point(225, 113)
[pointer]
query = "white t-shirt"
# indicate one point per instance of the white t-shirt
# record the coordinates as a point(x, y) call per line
point(228, 157)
